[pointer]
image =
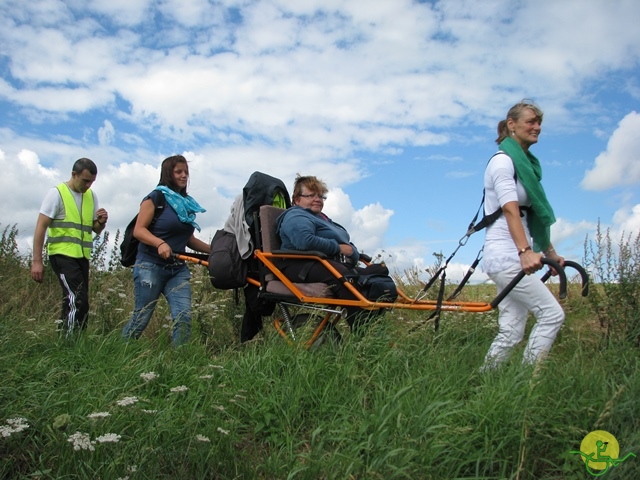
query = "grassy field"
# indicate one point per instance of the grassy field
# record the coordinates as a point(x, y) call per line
point(391, 404)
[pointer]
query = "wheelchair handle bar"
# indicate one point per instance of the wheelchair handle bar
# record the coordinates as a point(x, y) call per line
point(583, 275)
point(545, 261)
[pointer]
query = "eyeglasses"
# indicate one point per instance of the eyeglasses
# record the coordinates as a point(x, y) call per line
point(313, 195)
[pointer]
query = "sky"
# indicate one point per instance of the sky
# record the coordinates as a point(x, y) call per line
point(393, 103)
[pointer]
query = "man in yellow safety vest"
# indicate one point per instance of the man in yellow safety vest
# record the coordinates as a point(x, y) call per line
point(70, 213)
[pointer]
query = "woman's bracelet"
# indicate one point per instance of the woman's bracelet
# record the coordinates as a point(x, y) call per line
point(549, 251)
point(159, 245)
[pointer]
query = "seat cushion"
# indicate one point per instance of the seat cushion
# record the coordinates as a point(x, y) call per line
point(308, 289)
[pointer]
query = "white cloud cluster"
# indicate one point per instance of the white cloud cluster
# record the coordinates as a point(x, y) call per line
point(626, 222)
point(284, 87)
point(619, 164)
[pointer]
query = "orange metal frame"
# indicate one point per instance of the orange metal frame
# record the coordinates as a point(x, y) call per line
point(404, 302)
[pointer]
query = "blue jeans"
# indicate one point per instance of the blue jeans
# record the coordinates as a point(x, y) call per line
point(172, 281)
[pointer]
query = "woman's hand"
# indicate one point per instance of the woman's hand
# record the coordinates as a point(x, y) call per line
point(164, 250)
point(552, 255)
point(530, 261)
point(346, 249)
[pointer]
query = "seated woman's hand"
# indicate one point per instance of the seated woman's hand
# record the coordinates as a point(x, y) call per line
point(346, 249)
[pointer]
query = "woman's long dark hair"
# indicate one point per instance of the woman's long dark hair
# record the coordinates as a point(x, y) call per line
point(166, 173)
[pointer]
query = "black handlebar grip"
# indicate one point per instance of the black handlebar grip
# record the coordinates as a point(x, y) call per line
point(545, 261)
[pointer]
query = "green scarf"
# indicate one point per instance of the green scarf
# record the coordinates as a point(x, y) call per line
point(529, 173)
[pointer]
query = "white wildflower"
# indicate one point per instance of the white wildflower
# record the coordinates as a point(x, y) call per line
point(122, 295)
point(126, 401)
point(17, 422)
point(132, 468)
point(108, 438)
point(181, 388)
point(31, 319)
point(99, 415)
point(148, 376)
point(219, 367)
point(237, 316)
point(219, 407)
point(14, 425)
point(149, 411)
point(81, 441)
point(206, 377)
point(58, 321)
point(222, 431)
point(202, 438)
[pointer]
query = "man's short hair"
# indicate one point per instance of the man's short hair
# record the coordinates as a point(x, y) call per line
point(85, 164)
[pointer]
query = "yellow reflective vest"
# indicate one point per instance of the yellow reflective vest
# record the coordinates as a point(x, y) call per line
point(72, 236)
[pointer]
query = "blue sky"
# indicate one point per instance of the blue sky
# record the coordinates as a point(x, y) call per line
point(393, 103)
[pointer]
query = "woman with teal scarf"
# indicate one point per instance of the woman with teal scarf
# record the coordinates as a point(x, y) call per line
point(520, 238)
point(156, 272)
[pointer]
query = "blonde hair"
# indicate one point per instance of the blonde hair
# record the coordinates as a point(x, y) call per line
point(515, 113)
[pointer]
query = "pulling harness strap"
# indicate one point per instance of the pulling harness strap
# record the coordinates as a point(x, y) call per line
point(474, 227)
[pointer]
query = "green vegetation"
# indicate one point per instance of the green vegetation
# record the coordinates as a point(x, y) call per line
point(387, 405)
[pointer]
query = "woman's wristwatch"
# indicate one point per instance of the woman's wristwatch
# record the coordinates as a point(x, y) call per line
point(522, 250)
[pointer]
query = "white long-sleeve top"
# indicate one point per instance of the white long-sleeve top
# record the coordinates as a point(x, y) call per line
point(500, 251)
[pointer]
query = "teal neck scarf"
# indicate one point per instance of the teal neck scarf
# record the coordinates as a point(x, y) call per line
point(529, 173)
point(185, 207)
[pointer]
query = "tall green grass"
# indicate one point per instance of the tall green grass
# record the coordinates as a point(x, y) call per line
point(387, 405)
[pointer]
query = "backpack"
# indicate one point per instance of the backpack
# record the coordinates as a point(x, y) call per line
point(378, 288)
point(129, 245)
point(227, 269)
point(375, 283)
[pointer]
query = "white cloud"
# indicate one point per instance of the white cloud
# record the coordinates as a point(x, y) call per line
point(106, 133)
point(563, 230)
point(626, 221)
point(309, 86)
point(619, 164)
point(366, 226)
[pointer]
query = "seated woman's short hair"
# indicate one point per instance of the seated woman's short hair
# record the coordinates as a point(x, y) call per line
point(313, 184)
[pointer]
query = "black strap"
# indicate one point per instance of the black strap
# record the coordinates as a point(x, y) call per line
point(467, 276)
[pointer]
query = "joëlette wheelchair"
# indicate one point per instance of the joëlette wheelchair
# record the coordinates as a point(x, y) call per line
point(315, 297)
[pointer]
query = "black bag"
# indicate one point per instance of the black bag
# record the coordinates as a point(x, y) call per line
point(227, 269)
point(129, 245)
point(378, 288)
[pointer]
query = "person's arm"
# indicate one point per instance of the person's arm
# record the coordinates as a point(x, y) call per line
point(141, 230)
point(551, 254)
point(37, 266)
point(198, 245)
point(301, 232)
point(529, 260)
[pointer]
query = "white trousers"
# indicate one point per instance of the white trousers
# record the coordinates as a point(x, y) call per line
point(529, 295)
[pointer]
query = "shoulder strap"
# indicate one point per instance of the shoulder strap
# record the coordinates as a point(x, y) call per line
point(492, 217)
point(162, 201)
